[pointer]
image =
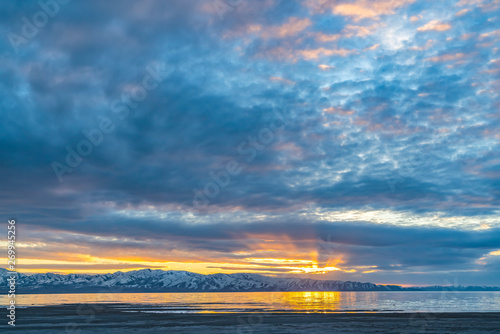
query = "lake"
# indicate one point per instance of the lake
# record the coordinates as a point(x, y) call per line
point(301, 302)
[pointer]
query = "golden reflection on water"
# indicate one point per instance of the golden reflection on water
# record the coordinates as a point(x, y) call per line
point(278, 301)
point(312, 301)
point(264, 301)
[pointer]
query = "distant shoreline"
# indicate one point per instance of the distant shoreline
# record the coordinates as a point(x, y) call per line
point(103, 290)
point(112, 319)
point(160, 281)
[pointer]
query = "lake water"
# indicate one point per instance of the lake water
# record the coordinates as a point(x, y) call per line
point(281, 301)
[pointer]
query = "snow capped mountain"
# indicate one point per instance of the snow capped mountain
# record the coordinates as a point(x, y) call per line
point(148, 280)
point(176, 281)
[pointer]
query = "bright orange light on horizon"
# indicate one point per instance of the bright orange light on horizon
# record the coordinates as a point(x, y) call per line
point(262, 254)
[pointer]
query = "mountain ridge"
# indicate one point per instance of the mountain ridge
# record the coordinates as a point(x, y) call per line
point(147, 280)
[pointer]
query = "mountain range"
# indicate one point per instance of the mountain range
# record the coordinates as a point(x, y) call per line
point(148, 280)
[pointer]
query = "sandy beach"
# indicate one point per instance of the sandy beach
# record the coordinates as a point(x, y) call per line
point(122, 318)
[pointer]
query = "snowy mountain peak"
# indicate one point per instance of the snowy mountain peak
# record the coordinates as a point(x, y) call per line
point(147, 280)
point(177, 281)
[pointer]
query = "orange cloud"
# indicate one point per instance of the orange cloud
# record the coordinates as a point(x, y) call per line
point(265, 253)
point(280, 79)
point(463, 12)
point(361, 31)
point(363, 9)
point(490, 6)
point(469, 2)
point(360, 9)
point(293, 27)
point(326, 67)
point(435, 25)
point(427, 46)
point(338, 110)
point(373, 47)
point(447, 57)
point(494, 33)
point(415, 18)
point(327, 38)
point(316, 53)
point(467, 36)
point(486, 6)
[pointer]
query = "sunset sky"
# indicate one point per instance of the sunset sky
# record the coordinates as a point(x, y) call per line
point(352, 140)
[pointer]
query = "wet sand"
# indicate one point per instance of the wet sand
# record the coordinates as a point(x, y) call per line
point(122, 318)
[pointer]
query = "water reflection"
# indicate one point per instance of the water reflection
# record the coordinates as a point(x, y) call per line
point(282, 301)
point(312, 301)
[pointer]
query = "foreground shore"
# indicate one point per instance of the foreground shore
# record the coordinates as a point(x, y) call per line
point(122, 318)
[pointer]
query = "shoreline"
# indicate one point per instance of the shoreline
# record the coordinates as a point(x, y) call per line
point(127, 318)
point(107, 291)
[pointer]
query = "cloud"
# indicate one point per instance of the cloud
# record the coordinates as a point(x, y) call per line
point(278, 245)
point(435, 26)
point(326, 67)
point(361, 31)
point(322, 52)
point(447, 57)
point(359, 9)
point(292, 27)
point(493, 33)
point(338, 110)
point(463, 11)
point(388, 138)
point(280, 79)
point(327, 38)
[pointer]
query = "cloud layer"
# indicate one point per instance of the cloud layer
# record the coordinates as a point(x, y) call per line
point(359, 135)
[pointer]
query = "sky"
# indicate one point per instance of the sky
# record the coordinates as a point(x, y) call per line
point(347, 140)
